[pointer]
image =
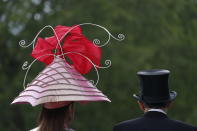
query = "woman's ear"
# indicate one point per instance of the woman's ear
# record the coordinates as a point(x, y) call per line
point(169, 104)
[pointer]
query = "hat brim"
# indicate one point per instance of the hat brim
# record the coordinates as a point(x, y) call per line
point(58, 83)
point(172, 94)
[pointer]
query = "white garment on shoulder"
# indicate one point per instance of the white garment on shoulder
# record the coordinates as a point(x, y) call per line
point(36, 129)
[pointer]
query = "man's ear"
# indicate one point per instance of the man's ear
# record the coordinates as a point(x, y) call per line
point(141, 105)
point(169, 104)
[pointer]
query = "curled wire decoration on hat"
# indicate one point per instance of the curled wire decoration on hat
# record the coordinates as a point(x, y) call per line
point(26, 66)
point(120, 37)
point(96, 41)
point(22, 43)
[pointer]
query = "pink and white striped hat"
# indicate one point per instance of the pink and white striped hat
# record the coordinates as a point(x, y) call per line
point(57, 85)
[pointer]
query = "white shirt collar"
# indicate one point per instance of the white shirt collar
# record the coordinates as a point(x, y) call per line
point(158, 110)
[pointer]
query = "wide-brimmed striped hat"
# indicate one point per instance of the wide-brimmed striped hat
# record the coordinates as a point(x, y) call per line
point(60, 83)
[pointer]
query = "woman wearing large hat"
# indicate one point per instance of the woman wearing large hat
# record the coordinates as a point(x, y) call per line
point(61, 84)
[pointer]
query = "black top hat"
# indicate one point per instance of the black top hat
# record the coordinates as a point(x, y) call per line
point(154, 86)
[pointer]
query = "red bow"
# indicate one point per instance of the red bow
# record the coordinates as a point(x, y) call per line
point(75, 41)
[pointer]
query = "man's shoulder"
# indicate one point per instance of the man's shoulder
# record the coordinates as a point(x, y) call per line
point(128, 123)
point(143, 123)
point(131, 121)
point(182, 124)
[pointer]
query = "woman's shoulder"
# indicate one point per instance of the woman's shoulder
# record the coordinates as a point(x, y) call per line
point(67, 129)
point(35, 129)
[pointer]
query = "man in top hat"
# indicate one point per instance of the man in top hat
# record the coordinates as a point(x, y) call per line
point(154, 99)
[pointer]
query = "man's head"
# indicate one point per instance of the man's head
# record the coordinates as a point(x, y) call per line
point(147, 106)
point(154, 89)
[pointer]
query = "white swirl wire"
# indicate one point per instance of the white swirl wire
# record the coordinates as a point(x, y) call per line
point(107, 63)
point(25, 65)
point(91, 81)
point(121, 37)
point(22, 43)
point(96, 41)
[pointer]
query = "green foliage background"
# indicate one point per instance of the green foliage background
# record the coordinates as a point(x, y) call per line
point(159, 34)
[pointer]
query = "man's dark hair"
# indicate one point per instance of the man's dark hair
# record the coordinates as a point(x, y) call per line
point(156, 105)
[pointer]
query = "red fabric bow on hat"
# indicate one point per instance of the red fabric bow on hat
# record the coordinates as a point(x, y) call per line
point(74, 41)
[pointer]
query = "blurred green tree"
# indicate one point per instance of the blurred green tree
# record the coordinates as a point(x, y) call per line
point(159, 34)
